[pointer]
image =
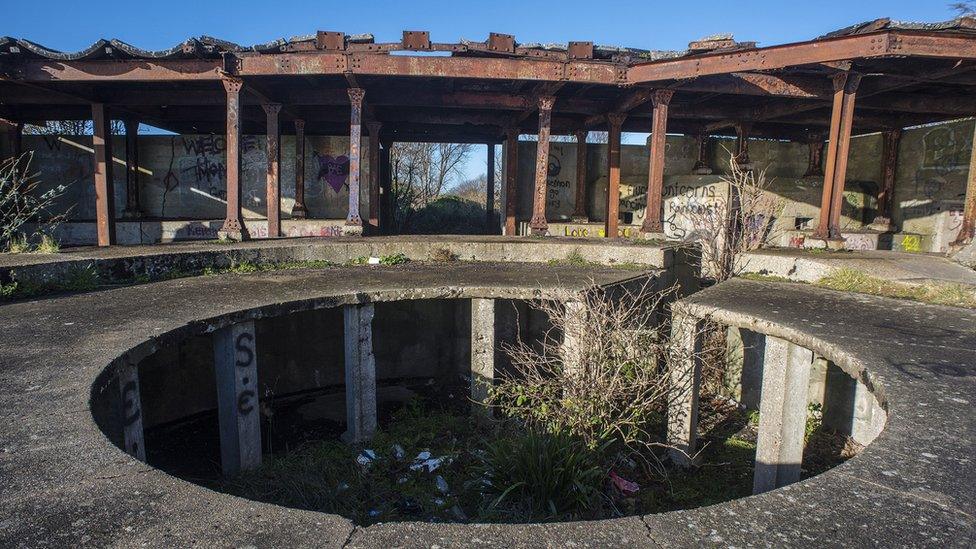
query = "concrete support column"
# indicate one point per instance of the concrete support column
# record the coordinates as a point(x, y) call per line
point(483, 347)
point(701, 166)
point(573, 350)
point(684, 382)
point(233, 226)
point(374, 175)
point(615, 121)
point(538, 224)
point(490, 192)
point(841, 121)
point(298, 211)
point(274, 171)
point(968, 229)
point(815, 144)
point(889, 165)
point(655, 174)
point(133, 209)
point(511, 179)
point(782, 414)
point(133, 441)
point(360, 365)
point(849, 407)
point(355, 138)
point(104, 188)
point(235, 363)
point(579, 210)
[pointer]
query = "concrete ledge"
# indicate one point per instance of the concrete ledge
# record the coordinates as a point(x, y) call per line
point(811, 266)
point(126, 262)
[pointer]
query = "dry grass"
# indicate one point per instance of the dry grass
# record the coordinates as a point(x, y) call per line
point(850, 280)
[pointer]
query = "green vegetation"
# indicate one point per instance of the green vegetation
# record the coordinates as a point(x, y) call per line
point(48, 245)
point(18, 245)
point(398, 258)
point(850, 280)
point(75, 279)
point(764, 277)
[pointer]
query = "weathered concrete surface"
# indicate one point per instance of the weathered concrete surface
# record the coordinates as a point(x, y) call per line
point(811, 266)
point(65, 483)
point(915, 485)
point(120, 262)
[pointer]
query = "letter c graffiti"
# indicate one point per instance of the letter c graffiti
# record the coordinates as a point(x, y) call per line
point(244, 405)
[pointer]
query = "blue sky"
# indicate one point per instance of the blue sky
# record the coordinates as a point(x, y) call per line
point(73, 24)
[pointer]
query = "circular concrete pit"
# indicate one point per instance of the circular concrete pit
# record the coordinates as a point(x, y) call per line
point(911, 486)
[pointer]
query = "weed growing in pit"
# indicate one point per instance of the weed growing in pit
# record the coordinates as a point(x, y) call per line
point(18, 245)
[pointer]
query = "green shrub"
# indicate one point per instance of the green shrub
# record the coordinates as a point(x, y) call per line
point(18, 245)
point(543, 476)
point(394, 259)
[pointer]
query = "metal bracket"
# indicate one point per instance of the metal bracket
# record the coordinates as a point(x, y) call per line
point(415, 40)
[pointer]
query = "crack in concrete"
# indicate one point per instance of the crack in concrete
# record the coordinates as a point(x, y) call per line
point(650, 533)
point(349, 536)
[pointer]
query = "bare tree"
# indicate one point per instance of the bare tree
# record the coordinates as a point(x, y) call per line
point(20, 201)
point(602, 371)
point(430, 167)
point(727, 227)
point(964, 8)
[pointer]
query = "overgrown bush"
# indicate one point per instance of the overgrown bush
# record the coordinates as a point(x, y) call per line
point(446, 215)
point(21, 202)
point(601, 372)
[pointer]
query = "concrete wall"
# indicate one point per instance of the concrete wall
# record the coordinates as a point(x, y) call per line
point(183, 176)
point(929, 188)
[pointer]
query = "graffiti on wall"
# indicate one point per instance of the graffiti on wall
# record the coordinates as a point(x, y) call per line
point(333, 170)
point(199, 163)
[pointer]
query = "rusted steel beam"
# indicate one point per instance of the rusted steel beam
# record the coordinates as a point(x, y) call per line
point(968, 229)
point(373, 128)
point(701, 166)
point(233, 226)
point(822, 231)
point(274, 170)
point(653, 214)
point(745, 83)
point(298, 211)
point(490, 191)
point(815, 143)
point(827, 229)
point(742, 131)
point(843, 153)
point(443, 67)
point(355, 137)
point(880, 44)
point(142, 70)
point(889, 163)
point(538, 223)
point(104, 190)
point(386, 186)
point(615, 122)
point(132, 209)
point(511, 178)
point(579, 210)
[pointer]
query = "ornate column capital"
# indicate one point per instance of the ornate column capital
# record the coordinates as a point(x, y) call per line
point(356, 96)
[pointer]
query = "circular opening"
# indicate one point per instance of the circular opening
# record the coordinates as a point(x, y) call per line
point(435, 456)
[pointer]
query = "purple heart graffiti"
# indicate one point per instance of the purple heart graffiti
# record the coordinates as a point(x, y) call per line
point(334, 169)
